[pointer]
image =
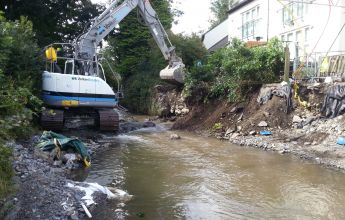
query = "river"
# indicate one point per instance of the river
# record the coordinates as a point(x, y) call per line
point(205, 178)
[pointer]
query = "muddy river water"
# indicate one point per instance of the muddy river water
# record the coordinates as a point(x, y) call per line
point(205, 178)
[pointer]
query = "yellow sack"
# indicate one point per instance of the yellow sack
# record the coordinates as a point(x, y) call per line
point(51, 54)
point(325, 65)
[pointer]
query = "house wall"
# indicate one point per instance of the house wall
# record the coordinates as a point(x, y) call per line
point(305, 27)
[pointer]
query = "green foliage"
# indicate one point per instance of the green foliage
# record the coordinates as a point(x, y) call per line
point(132, 45)
point(53, 21)
point(137, 58)
point(242, 68)
point(220, 10)
point(138, 92)
point(234, 71)
point(18, 58)
point(189, 48)
point(217, 127)
point(19, 77)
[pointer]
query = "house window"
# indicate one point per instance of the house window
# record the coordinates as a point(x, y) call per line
point(290, 37)
point(292, 11)
point(299, 37)
point(306, 36)
point(250, 23)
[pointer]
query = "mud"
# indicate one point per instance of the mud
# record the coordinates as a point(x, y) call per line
point(303, 132)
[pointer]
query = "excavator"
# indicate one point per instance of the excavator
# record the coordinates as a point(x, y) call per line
point(80, 88)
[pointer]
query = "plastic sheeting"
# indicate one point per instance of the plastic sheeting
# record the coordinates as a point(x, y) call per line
point(334, 102)
point(284, 91)
point(51, 140)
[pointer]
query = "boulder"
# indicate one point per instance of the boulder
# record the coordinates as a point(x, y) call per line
point(263, 124)
point(185, 111)
point(234, 135)
point(230, 131)
point(149, 124)
point(296, 119)
point(174, 137)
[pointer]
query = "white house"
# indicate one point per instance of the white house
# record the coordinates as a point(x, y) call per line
point(309, 27)
point(217, 37)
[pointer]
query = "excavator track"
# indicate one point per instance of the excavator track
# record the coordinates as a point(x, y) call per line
point(108, 120)
point(52, 119)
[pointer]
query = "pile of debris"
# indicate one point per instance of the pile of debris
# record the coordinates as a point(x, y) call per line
point(44, 190)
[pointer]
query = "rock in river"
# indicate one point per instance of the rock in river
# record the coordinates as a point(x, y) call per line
point(175, 137)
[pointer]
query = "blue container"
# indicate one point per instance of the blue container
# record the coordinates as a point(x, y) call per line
point(341, 141)
point(265, 133)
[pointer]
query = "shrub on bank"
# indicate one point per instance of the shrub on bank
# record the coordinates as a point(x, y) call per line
point(19, 80)
point(233, 72)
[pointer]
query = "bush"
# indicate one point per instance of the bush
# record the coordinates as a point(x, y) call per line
point(19, 80)
point(234, 71)
point(19, 77)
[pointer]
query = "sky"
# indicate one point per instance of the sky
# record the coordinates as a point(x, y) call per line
point(195, 18)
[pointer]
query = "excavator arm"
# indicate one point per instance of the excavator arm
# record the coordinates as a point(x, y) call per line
point(86, 44)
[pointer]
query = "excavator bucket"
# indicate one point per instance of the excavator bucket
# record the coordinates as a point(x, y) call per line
point(173, 74)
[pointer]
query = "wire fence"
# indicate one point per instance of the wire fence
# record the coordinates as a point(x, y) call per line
point(322, 64)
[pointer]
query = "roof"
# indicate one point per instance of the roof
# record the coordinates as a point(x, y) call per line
point(239, 5)
point(203, 35)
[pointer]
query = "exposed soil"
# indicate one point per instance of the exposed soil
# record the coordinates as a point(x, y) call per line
point(245, 115)
point(302, 131)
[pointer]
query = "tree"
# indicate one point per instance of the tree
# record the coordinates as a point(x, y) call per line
point(133, 46)
point(189, 48)
point(53, 20)
point(220, 10)
point(20, 77)
point(138, 58)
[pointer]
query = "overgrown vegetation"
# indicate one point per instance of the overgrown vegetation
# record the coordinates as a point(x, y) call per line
point(234, 71)
point(19, 73)
point(20, 66)
point(139, 60)
point(53, 21)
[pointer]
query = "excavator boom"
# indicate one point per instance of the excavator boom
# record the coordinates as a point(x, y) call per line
point(86, 44)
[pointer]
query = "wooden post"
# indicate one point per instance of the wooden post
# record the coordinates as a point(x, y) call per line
point(287, 64)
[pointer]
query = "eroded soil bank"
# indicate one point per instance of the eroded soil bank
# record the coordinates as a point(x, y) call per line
point(302, 130)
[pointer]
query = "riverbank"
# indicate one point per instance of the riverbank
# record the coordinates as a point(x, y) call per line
point(301, 131)
point(47, 188)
